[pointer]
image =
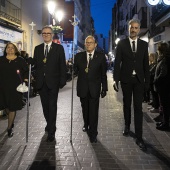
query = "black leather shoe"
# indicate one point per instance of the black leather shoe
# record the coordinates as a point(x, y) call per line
point(141, 144)
point(93, 140)
point(126, 131)
point(163, 127)
point(84, 129)
point(50, 138)
point(10, 133)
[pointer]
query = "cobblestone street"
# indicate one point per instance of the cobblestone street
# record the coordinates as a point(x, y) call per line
point(112, 151)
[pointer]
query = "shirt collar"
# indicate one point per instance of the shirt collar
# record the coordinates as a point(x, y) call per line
point(132, 40)
point(49, 44)
point(91, 53)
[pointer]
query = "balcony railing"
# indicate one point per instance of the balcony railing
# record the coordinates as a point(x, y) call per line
point(10, 13)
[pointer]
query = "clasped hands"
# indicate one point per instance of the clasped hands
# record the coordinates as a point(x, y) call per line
point(116, 86)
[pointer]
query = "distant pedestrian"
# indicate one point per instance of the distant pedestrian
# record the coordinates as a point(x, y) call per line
point(91, 68)
point(50, 75)
point(131, 68)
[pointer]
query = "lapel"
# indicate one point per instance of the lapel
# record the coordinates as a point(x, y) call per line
point(50, 50)
point(129, 48)
point(139, 44)
point(84, 59)
point(42, 51)
point(94, 58)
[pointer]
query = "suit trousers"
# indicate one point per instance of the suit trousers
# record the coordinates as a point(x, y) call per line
point(90, 109)
point(133, 89)
point(49, 99)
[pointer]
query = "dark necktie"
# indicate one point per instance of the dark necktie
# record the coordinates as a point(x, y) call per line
point(90, 57)
point(46, 51)
point(133, 46)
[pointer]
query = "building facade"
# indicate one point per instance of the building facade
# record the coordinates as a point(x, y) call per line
point(155, 22)
point(17, 15)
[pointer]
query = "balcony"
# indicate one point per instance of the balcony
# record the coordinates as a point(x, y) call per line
point(10, 13)
point(159, 11)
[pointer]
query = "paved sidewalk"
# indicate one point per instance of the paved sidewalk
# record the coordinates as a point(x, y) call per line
point(113, 151)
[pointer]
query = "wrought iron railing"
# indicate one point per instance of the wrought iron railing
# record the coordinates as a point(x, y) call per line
point(10, 13)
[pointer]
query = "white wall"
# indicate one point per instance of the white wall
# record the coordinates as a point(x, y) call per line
point(31, 12)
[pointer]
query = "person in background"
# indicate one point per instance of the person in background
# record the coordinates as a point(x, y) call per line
point(154, 94)
point(131, 68)
point(13, 71)
point(161, 82)
point(91, 68)
point(50, 76)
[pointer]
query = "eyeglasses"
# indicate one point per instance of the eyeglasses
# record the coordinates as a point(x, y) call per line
point(46, 33)
point(89, 43)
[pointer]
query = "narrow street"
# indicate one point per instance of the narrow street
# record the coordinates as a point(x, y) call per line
point(112, 151)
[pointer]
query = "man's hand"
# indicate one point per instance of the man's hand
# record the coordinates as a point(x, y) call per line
point(116, 86)
point(103, 93)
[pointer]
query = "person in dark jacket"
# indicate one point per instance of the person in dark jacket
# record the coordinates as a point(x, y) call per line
point(50, 75)
point(161, 82)
point(91, 68)
point(13, 72)
point(131, 68)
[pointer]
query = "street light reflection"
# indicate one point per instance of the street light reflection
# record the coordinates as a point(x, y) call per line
point(59, 15)
point(51, 7)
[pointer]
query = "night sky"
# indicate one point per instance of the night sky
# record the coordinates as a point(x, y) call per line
point(101, 11)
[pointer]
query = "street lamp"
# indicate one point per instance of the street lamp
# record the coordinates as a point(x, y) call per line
point(57, 16)
point(117, 40)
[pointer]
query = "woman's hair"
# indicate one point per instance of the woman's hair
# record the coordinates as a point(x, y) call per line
point(154, 56)
point(163, 48)
point(17, 53)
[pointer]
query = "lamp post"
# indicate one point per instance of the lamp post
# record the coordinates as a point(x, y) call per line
point(57, 16)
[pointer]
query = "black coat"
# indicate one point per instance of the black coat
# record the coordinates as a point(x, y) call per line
point(125, 62)
point(54, 69)
point(96, 76)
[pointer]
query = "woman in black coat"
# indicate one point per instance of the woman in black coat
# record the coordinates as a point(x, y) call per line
point(161, 81)
point(13, 71)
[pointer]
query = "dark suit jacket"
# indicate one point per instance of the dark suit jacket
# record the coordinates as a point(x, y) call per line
point(55, 69)
point(125, 61)
point(95, 77)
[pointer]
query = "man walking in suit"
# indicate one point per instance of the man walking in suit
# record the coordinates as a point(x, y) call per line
point(91, 68)
point(132, 70)
point(50, 67)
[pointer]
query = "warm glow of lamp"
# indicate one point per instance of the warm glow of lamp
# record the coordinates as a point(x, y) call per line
point(59, 15)
point(117, 40)
point(51, 7)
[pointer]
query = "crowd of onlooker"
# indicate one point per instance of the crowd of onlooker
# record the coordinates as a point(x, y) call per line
point(158, 95)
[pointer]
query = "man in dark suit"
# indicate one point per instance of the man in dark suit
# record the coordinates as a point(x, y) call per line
point(91, 68)
point(132, 70)
point(50, 75)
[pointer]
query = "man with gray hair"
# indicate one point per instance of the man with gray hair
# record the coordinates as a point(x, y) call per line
point(132, 70)
point(50, 67)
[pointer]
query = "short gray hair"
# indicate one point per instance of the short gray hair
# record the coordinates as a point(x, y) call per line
point(48, 26)
point(91, 36)
point(134, 20)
